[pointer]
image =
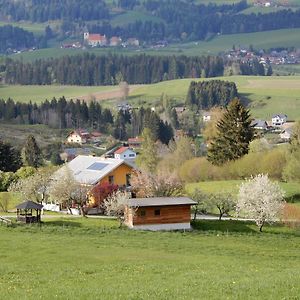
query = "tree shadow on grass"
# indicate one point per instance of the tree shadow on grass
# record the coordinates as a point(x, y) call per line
point(245, 98)
point(223, 226)
point(293, 199)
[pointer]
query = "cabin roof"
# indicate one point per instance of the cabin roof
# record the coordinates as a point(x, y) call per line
point(160, 201)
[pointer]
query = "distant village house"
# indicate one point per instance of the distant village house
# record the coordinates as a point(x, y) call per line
point(279, 119)
point(125, 153)
point(95, 40)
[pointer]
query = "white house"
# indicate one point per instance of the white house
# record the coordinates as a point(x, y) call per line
point(279, 119)
point(78, 136)
point(206, 116)
point(125, 153)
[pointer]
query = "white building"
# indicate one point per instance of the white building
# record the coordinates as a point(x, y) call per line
point(125, 153)
point(279, 119)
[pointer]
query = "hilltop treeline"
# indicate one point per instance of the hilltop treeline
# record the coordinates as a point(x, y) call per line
point(174, 20)
point(59, 113)
point(89, 69)
point(15, 38)
point(45, 10)
point(207, 94)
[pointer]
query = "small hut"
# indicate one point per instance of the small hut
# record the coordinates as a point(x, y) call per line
point(25, 212)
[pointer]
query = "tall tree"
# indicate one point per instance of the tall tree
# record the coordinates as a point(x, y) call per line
point(10, 159)
point(147, 160)
point(32, 155)
point(235, 132)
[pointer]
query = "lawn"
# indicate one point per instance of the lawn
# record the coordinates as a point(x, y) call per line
point(292, 189)
point(93, 259)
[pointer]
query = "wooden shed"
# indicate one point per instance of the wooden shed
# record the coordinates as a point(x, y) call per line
point(161, 213)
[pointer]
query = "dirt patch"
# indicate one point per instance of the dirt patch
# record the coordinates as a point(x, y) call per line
point(107, 95)
point(273, 84)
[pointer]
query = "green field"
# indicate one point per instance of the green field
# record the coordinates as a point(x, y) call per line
point(73, 258)
point(38, 93)
point(266, 95)
point(259, 40)
point(291, 189)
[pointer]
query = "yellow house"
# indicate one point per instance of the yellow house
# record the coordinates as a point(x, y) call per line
point(91, 171)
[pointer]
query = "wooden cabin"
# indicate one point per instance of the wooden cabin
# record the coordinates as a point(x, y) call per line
point(161, 213)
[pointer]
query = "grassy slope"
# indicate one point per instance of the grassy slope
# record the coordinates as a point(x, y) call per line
point(292, 189)
point(284, 93)
point(26, 93)
point(85, 259)
point(266, 40)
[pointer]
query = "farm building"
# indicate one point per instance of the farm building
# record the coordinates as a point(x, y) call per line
point(79, 136)
point(259, 124)
point(161, 213)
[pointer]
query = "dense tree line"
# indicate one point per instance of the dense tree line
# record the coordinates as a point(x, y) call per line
point(45, 10)
point(79, 114)
point(15, 38)
point(89, 69)
point(176, 19)
point(207, 94)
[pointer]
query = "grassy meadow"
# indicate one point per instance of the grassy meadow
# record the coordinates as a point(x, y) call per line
point(264, 95)
point(79, 258)
point(291, 189)
point(220, 43)
point(38, 93)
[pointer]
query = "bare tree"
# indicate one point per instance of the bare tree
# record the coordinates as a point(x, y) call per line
point(260, 199)
point(115, 205)
point(162, 184)
point(201, 198)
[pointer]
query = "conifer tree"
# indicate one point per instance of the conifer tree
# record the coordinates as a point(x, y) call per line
point(31, 153)
point(234, 134)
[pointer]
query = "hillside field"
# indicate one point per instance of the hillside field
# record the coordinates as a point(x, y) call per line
point(265, 95)
point(69, 258)
point(259, 40)
point(291, 189)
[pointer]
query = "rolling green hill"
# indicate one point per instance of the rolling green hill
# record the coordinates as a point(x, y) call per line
point(264, 95)
point(259, 40)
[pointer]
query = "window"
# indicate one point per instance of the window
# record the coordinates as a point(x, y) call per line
point(157, 212)
point(111, 179)
point(128, 176)
point(131, 155)
point(142, 213)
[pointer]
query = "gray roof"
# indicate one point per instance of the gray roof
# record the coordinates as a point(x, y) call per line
point(29, 205)
point(90, 169)
point(160, 201)
point(282, 116)
point(259, 123)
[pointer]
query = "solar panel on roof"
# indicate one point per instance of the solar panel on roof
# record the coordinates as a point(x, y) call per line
point(97, 166)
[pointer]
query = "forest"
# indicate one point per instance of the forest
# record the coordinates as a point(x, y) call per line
point(15, 38)
point(207, 94)
point(79, 114)
point(89, 69)
point(176, 20)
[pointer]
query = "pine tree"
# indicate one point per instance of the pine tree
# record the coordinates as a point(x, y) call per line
point(234, 134)
point(32, 155)
point(10, 160)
